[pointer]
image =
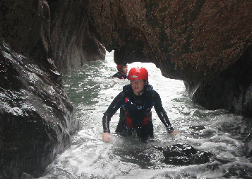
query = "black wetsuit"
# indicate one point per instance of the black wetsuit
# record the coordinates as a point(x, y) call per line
point(135, 114)
point(119, 75)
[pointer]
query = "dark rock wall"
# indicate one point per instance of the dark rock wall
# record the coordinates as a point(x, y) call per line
point(36, 118)
point(231, 89)
point(72, 44)
point(26, 27)
point(188, 40)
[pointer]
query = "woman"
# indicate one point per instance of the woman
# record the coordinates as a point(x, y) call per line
point(122, 71)
point(136, 101)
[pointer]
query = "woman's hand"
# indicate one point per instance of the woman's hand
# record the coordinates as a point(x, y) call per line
point(171, 130)
point(106, 136)
point(174, 132)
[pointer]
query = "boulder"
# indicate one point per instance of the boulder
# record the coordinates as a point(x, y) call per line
point(184, 154)
point(36, 116)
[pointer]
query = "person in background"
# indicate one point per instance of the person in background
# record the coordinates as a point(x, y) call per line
point(137, 100)
point(121, 74)
point(122, 71)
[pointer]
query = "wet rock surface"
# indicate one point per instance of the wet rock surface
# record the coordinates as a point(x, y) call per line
point(248, 145)
point(184, 154)
point(72, 43)
point(36, 117)
point(188, 40)
point(230, 90)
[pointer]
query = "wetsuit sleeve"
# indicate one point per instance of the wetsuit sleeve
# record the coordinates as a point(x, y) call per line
point(115, 75)
point(113, 107)
point(161, 112)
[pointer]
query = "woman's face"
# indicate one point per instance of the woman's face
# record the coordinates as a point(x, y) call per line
point(137, 86)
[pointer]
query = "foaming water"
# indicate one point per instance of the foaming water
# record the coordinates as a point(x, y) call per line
point(92, 89)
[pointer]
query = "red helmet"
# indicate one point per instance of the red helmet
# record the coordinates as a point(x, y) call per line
point(138, 74)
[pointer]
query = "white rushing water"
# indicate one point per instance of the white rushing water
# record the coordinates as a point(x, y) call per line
point(92, 89)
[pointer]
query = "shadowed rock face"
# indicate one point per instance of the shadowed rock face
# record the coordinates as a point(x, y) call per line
point(72, 43)
point(205, 43)
point(188, 40)
point(36, 116)
point(231, 89)
point(26, 27)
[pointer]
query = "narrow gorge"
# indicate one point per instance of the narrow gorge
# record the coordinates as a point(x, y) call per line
point(205, 43)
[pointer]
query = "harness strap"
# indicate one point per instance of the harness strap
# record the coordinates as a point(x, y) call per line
point(148, 102)
point(129, 122)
